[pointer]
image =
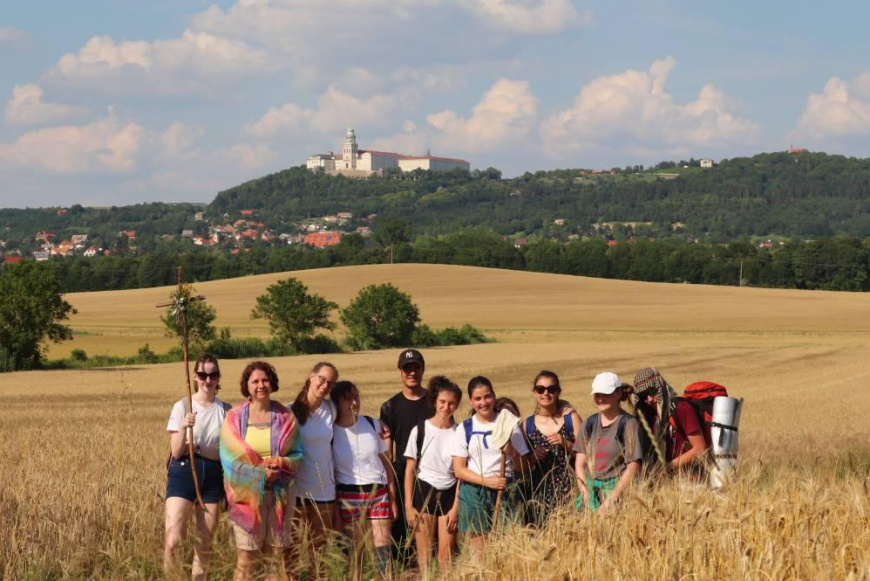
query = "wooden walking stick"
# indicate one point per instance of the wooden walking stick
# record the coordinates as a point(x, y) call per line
point(499, 494)
point(179, 304)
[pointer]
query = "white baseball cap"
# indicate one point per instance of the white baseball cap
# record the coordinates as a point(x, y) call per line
point(606, 383)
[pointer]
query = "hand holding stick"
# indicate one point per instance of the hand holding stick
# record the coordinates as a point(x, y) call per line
point(499, 493)
point(179, 305)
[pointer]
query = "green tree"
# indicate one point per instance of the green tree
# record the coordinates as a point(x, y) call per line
point(293, 314)
point(30, 313)
point(391, 231)
point(200, 319)
point(380, 316)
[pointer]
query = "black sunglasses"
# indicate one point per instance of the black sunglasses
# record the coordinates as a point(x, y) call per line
point(202, 375)
point(551, 389)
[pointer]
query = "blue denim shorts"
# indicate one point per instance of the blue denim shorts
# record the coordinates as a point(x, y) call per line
point(210, 476)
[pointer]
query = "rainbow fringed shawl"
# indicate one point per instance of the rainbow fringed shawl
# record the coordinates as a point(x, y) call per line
point(245, 479)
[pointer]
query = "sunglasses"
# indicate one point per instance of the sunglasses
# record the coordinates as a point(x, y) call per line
point(202, 375)
point(551, 389)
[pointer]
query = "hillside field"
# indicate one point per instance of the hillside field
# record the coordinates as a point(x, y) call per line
point(82, 494)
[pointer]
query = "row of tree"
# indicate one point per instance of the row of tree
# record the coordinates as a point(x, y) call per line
point(33, 312)
point(838, 263)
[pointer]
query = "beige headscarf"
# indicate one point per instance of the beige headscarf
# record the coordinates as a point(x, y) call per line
point(645, 380)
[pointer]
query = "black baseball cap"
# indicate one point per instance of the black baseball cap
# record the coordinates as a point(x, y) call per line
point(409, 356)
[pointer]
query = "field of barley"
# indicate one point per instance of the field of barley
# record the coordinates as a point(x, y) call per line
point(83, 465)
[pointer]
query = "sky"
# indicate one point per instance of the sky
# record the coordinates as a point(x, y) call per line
point(114, 102)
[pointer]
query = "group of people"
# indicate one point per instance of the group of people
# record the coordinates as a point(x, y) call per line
point(292, 476)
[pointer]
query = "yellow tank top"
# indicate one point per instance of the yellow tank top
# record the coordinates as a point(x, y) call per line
point(260, 439)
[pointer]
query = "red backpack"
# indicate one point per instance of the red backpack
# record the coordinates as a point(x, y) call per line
point(700, 395)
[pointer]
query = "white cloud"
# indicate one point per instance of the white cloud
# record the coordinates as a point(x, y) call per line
point(106, 145)
point(12, 35)
point(633, 110)
point(502, 119)
point(27, 107)
point(842, 109)
point(335, 111)
point(175, 65)
point(529, 16)
point(180, 138)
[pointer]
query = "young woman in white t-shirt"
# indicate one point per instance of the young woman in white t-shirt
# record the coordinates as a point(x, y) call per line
point(431, 494)
point(478, 465)
point(206, 419)
point(365, 486)
point(314, 486)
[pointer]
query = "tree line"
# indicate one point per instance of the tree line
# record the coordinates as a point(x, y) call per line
point(33, 312)
point(836, 263)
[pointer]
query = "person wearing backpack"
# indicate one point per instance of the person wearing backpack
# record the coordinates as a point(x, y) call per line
point(485, 469)
point(431, 503)
point(551, 432)
point(672, 423)
point(204, 421)
point(365, 488)
point(608, 449)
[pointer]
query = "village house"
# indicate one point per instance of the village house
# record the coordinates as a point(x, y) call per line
point(92, 252)
point(79, 240)
point(706, 163)
point(247, 212)
point(322, 239)
point(41, 255)
point(364, 231)
point(187, 233)
point(559, 221)
point(12, 259)
point(520, 242)
point(199, 216)
point(44, 235)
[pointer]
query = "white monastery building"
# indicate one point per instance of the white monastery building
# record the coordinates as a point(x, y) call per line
point(362, 163)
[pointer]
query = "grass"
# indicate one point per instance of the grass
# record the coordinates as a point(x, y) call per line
point(84, 460)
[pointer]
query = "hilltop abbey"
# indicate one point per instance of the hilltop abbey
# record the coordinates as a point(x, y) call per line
point(355, 162)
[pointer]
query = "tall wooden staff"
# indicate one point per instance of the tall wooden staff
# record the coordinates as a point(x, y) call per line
point(179, 309)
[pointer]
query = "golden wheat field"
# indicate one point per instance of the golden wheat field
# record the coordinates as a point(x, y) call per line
point(83, 462)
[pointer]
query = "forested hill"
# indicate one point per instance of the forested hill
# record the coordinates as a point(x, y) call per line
point(805, 195)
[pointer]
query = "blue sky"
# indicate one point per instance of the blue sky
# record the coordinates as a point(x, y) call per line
point(113, 102)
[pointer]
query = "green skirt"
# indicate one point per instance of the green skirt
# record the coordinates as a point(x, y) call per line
point(598, 491)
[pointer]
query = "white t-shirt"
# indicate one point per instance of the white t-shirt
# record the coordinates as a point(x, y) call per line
point(206, 430)
point(315, 477)
point(355, 453)
point(483, 457)
point(436, 461)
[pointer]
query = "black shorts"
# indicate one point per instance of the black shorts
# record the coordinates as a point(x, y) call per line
point(209, 474)
point(430, 500)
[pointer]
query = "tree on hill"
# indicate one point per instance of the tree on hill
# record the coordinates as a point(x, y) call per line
point(30, 314)
point(293, 314)
point(391, 231)
point(380, 316)
point(200, 320)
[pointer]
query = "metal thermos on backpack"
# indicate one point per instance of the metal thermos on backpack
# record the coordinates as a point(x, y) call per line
point(726, 419)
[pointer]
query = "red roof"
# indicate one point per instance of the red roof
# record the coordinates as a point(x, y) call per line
point(322, 239)
point(435, 158)
point(13, 259)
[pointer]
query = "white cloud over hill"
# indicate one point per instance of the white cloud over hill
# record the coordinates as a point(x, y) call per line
point(634, 110)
